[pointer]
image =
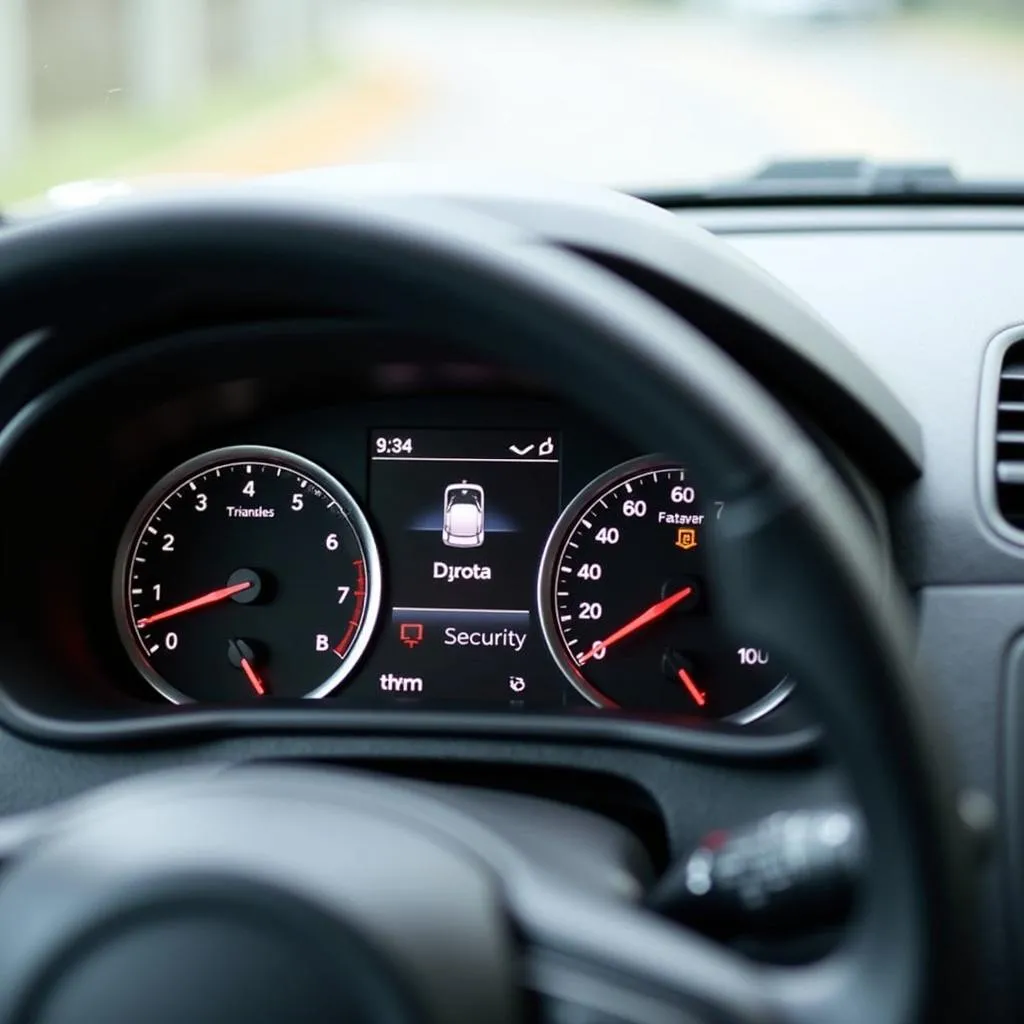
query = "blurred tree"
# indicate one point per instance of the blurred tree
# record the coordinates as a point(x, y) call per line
point(14, 88)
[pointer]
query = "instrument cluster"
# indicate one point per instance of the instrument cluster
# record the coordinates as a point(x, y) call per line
point(468, 569)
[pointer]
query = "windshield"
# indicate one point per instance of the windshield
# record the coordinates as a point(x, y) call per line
point(97, 96)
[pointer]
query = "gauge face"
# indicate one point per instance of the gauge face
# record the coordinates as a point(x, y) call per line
point(627, 607)
point(247, 573)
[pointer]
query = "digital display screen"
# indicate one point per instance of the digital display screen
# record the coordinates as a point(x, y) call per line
point(464, 516)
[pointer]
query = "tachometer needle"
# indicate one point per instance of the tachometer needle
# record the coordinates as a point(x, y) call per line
point(197, 602)
point(652, 613)
point(687, 680)
point(253, 677)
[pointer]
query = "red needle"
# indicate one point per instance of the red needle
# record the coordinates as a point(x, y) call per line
point(198, 602)
point(687, 680)
point(652, 613)
point(250, 674)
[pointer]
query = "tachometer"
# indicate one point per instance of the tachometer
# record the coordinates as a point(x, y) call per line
point(247, 572)
point(627, 606)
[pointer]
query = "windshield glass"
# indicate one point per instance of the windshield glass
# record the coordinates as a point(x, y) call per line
point(100, 96)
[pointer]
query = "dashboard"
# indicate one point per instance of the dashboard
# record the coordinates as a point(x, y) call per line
point(420, 563)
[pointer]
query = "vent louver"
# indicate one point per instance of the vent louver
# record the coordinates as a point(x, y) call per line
point(1010, 437)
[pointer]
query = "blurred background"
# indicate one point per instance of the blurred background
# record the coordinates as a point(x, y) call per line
point(638, 93)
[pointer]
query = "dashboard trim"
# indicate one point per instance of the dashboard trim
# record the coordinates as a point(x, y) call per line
point(195, 723)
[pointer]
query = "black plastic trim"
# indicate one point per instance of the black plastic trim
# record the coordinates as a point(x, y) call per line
point(671, 199)
point(186, 723)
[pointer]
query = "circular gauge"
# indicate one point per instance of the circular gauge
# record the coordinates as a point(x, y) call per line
point(627, 607)
point(246, 573)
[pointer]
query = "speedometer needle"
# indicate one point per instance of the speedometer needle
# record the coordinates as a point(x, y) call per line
point(197, 602)
point(652, 613)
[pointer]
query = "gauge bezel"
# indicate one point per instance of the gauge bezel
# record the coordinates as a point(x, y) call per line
point(228, 456)
point(554, 549)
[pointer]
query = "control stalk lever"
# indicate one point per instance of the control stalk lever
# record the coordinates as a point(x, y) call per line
point(791, 870)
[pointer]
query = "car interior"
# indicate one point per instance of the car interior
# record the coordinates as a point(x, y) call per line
point(442, 596)
point(710, 719)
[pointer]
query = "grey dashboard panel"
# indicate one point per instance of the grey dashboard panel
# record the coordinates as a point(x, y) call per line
point(966, 638)
point(921, 305)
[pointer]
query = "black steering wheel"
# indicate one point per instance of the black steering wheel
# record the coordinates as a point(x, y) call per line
point(292, 894)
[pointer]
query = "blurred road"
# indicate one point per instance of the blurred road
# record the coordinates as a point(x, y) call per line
point(637, 96)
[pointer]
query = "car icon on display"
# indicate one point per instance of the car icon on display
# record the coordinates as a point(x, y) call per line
point(463, 515)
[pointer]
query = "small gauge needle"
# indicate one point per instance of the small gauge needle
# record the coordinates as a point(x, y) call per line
point(253, 677)
point(687, 680)
point(652, 613)
point(197, 602)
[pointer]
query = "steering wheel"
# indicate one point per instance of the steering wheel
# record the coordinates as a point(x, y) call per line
point(297, 894)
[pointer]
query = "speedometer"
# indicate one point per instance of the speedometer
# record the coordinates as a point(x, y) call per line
point(628, 608)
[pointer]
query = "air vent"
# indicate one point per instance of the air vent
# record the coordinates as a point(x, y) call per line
point(1010, 437)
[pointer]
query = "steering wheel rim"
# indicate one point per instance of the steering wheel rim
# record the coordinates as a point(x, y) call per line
point(799, 570)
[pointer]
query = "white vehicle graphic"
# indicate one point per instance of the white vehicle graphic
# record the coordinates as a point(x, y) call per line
point(463, 515)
